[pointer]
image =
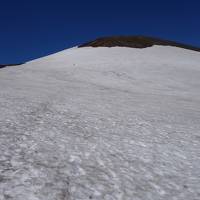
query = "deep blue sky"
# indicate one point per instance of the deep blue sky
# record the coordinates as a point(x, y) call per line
point(35, 28)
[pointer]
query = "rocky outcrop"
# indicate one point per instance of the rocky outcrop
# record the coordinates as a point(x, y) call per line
point(7, 65)
point(135, 42)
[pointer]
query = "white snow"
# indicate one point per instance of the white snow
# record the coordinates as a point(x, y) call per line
point(102, 123)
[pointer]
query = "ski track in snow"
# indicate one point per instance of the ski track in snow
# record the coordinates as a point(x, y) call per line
point(102, 124)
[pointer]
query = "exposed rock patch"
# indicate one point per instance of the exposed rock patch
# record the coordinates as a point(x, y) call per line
point(135, 42)
point(7, 65)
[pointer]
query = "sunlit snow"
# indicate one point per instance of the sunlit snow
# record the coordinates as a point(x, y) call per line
point(103, 124)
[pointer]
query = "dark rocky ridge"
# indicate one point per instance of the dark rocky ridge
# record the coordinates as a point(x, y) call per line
point(7, 65)
point(135, 42)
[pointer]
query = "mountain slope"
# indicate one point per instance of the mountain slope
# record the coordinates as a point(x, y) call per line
point(101, 123)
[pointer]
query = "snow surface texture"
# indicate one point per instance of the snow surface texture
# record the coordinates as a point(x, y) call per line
point(102, 123)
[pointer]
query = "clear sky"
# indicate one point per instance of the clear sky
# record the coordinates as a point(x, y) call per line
point(35, 28)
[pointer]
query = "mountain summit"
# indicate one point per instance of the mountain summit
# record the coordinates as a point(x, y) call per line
point(135, 42)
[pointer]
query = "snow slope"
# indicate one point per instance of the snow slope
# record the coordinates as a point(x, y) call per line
point(102, 123)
